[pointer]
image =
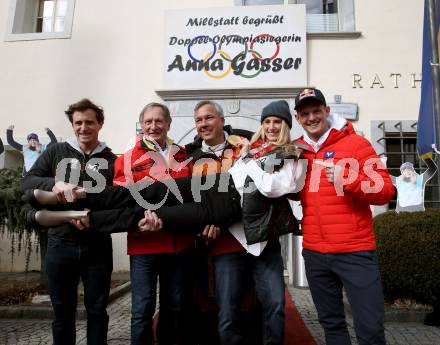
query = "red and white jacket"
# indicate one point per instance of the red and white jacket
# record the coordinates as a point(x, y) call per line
point(144, 160)
point(335, 223)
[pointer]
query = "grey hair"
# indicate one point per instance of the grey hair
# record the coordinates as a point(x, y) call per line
point(165, 111)
point(218, 108)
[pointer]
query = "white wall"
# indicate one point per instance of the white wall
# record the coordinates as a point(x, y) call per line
point(17, 262)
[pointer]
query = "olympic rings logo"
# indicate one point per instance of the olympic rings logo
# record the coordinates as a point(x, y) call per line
point(224, 55)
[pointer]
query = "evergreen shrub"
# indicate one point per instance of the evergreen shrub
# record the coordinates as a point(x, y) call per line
point(408, 247)
point(13, 215)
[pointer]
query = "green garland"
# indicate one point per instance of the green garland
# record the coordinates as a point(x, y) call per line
point(13, 215)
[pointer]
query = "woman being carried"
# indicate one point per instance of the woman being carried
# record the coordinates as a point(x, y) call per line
point(116, 209)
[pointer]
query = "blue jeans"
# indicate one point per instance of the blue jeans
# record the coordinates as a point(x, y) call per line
point(358, 273)
point(175, 278)
point(66, 263)
point(231, 275)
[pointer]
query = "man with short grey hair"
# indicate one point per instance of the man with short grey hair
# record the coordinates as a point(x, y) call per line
point(216, 150)
point(150, 106)
point(209, 121)
point(217, 107)
point(234, 268)
point(157, 254)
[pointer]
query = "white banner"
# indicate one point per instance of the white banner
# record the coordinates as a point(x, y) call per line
point(235, 47)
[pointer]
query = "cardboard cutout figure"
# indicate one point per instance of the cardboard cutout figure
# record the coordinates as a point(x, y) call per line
point(33, 149)
point(411, 186)
point(138, 129)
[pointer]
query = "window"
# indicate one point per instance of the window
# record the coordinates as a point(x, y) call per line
point(322, 15)
point(397, 140)
point(40, 19)
point(51, 16)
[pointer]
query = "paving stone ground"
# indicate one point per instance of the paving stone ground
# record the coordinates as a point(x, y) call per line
point(396, 333)
point(35, 332)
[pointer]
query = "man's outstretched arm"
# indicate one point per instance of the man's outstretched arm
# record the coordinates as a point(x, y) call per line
point(10, 139)
point(52, 137)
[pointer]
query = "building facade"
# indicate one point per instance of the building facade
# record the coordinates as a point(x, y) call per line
point(364, 55)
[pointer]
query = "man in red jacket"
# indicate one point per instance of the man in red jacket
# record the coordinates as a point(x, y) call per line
point(157, 253)
point(344, 177)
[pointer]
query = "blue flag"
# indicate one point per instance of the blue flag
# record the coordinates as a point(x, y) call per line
point(426, 124)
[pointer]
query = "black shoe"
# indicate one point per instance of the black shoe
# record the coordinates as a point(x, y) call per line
point(432, 319)
point(29, 197)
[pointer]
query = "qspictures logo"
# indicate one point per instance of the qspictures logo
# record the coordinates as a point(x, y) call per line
point(347, 171)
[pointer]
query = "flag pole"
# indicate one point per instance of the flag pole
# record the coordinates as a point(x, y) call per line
point(435, 72)
point(435, 69)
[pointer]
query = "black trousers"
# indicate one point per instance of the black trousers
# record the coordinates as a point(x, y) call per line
point(184, 201)
point(66, 263)
point(358, 273)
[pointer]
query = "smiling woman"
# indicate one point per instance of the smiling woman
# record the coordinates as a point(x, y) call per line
point(272, 127)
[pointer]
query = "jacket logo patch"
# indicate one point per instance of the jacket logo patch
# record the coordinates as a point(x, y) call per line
point(329, 154)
